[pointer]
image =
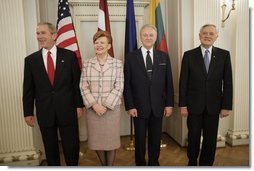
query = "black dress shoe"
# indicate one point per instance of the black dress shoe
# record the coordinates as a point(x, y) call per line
point(192, 163)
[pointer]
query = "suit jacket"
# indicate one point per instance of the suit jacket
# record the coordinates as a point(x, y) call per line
point(103, 86)
point(141, 93)
point(55, 103)
point(199, 89)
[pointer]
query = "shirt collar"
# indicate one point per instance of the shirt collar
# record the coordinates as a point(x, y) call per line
point(144, 51)
point(204, 49)
point(52, 50)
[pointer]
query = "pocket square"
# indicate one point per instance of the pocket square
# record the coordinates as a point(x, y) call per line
point(162, 64)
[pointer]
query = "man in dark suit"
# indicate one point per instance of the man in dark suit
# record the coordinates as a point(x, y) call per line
point(205, 92)
point(148, 94)
point(51, 81)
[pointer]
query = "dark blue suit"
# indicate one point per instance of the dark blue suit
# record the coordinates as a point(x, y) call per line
point(55, 105)
point(149, 97)
point(204, 94)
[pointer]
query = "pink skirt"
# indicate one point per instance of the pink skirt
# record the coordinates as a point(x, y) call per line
point(103, 131)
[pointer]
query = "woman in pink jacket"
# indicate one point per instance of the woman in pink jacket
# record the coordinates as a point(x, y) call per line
point(101, 87)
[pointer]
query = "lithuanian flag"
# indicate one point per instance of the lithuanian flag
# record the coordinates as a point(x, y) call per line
point(156, 20)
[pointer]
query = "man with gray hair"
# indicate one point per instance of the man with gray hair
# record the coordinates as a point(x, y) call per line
point(205, 93)
point(148, 94)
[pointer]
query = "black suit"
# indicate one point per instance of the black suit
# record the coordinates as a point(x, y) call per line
point(149, 98)
point(204, 94)
point(55, 105)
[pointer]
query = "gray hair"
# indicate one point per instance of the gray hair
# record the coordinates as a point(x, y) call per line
point(209, 25)
point(51, 27)
point(148, 26)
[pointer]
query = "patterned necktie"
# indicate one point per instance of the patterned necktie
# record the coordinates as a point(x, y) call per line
point(206, 60)
point(50, 66)
point(149, 65)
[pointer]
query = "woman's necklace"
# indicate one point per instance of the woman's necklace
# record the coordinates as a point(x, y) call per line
point(102, 62)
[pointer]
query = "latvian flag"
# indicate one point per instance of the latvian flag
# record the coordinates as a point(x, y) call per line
point(103, 21)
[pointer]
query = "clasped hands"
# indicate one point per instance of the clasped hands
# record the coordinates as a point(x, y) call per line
point(99, 109)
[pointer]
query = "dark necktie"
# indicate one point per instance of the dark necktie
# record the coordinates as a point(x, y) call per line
point(50, 66)
point(206, 60)
point(149, 65)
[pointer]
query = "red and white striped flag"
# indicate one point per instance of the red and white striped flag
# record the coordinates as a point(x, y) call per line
point(103, 21)
point(66, 36)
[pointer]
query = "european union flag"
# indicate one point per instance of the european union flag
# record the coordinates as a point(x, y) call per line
point(130, 28)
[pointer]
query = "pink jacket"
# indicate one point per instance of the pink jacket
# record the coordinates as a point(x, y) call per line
point(103, 86)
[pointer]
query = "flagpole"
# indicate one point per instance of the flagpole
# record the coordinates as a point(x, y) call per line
point(130, 46)
point(163, 144)
point(130, 146)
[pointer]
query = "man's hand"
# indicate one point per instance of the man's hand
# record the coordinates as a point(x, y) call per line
point(30, 121)
point(224, 113)
point(184, 111)
point(80, 112)
point(133, 112)
point(168, 111)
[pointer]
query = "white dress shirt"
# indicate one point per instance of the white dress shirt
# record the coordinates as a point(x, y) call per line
point(144, 53)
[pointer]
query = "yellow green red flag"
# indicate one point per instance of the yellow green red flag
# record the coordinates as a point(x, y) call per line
point(157, 21)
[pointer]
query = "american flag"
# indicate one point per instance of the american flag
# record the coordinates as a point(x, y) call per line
point(66, 36)
point(103, 21)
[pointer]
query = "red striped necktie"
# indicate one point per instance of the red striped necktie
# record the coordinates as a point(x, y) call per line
point(51, 69)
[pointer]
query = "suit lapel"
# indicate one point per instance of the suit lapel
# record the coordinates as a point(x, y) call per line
point(95, 64)
point(200, 60)
point(155, 63)
point(108, 64)
point(41, 67)
point(59, 65)
point(141, 62)
point(212, 61)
